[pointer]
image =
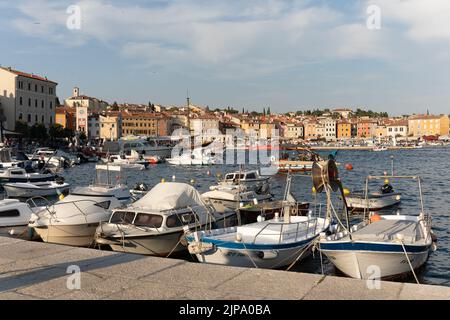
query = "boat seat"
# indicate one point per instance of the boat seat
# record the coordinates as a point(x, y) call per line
point(387, 230)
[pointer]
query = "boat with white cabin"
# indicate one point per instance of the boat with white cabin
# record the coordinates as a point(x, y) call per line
point(154, 224)
point(74, 219)
point(16, 174)
point(36, 189)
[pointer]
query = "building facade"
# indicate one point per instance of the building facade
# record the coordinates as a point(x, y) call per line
point(424, 125)
point(110, 126)
point(26, 97)
point(343, 130)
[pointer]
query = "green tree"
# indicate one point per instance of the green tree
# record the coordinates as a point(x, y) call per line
point(68, 133)
point(38, 131)
point(23, 128)
point(83, 136)
point(268, 111)
point(115, 106)
point(56, 131)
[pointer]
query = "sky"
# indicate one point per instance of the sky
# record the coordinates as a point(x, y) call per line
point(289, 55)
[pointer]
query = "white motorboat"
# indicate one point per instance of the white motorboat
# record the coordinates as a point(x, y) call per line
point(14, 216)
point(133, 161)
point(154, 224)
point(381, 246)
point(265, 244)
point(55, 158)
point(380, 148)
point(15, 174)
point(196, 157)
point(36, 189)
point(234, 197)
point(153, 146)
point(385, 198)
point(250, 179)
point(74, 219)
point(6, 160)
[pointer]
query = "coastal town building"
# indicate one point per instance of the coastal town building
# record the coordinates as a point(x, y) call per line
point(397, 128)
point(366, 128)
point(110, 126)
point(146, 124)
point(93, 126)
point(80, 100)
point(66, 117)
point(343, 112)
point(329, 125)
point(427, 125)
point(26, 97)
point(343, 130)
point(206, 126)
point(292, 130)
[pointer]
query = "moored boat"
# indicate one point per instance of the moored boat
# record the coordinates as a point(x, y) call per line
point(36, 189)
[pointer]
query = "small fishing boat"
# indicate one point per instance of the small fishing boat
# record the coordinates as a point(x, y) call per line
point(74, 219)
point(383, 245)
point(265, 244)
point(133, 161)
point(36, 189)
point(385, 198)
point(154, 224)
point(15, 174)
point(274, 243)
point(295, 159)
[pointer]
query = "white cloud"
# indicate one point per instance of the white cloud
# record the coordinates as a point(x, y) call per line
point(425, 20)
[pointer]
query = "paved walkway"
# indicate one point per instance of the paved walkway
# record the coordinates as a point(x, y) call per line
point(33, 270)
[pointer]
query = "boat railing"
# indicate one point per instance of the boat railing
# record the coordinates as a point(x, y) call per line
point(309, 229)
point(72, 203)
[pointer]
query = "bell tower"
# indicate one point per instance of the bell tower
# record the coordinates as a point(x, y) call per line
point(75, 92)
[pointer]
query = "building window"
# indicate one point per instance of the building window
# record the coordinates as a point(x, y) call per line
point(51, 105)
point(20, 101)
point(29, 86)
point(29, 117)
point(35, 103)
point(42, 104)
point(42, 119)
point(51, 120)
point(42, 89)
point(29, 102)
point(35, 88)
point(20, 116)
point(35, 118)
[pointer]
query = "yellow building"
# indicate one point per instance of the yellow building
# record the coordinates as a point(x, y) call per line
point(110, 126)
point(143, 124)
point(428, 125)
point(381, 131)
point(343, 130)
point(310, 130)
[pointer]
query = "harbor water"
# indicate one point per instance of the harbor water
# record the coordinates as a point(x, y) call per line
point(429, 163)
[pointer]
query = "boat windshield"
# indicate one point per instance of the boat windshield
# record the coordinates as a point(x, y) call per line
point(148, 220)
point(181, 219)
point(122, 217)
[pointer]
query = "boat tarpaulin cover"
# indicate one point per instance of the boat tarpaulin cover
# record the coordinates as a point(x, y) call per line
point(170, 195)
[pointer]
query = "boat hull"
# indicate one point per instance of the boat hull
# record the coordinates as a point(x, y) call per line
point(80, 235)
point(266, 259)
point(24, 192)
point(365, 264)
point(378, 203)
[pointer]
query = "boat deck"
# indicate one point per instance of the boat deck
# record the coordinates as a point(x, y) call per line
point(388, 230)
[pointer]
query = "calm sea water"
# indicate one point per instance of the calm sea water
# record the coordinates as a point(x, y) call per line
point(432, 164)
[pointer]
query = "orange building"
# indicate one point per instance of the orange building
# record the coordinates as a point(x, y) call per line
point(343, 130)
point(366, 128)
point(66, 117)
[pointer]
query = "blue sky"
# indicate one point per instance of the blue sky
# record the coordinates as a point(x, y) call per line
point(286, 55)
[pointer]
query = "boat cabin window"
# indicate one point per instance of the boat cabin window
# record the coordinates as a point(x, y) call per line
point(122, 217)
point(148, 220)
point(229, 176)
point(250, 175)
point(9, 213)
point(181, 219)
point(104, 204)
point(16, 172)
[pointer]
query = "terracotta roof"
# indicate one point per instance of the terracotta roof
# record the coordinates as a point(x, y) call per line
point(27, 75)
point(424, 116)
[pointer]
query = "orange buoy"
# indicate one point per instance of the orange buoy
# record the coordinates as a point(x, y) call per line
point(349, 166)
point(375, 217)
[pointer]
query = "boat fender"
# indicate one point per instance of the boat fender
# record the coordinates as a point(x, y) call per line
point(267, 255)
point(376, 217)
